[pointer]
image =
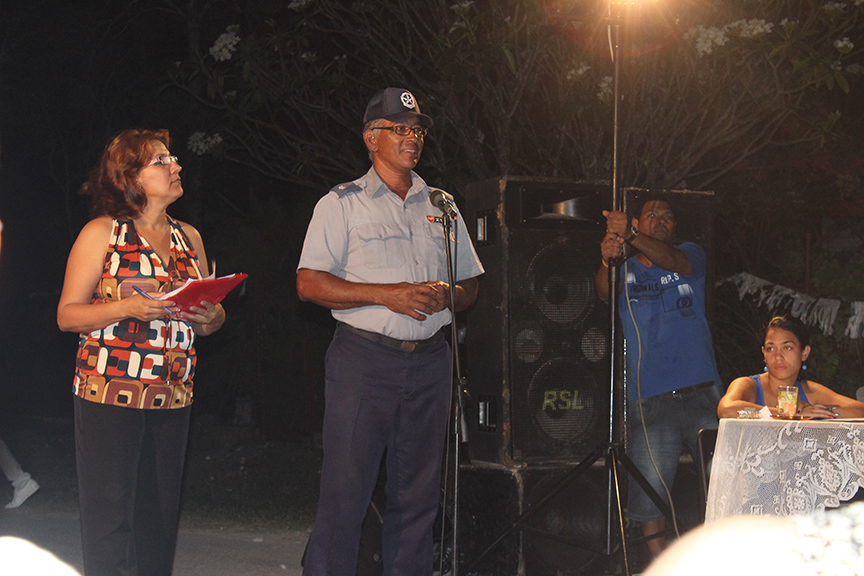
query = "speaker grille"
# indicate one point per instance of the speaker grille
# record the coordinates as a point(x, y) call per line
point(537, 345)
point(559, 283)
point(558, 391)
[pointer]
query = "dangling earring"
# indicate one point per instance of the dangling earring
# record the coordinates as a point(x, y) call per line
point(803, 366)
point(765, 369)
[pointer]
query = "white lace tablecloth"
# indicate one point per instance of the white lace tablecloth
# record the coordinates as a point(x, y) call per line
point(784, 467)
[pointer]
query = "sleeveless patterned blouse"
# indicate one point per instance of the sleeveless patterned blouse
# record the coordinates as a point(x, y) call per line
point(133, 363)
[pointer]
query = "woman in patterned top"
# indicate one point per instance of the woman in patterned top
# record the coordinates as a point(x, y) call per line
point(136, 356)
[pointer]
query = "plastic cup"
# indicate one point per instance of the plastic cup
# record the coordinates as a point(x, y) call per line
point(787, 401)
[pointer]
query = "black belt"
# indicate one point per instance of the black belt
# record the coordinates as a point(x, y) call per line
point(690, 389)
point(401, 345)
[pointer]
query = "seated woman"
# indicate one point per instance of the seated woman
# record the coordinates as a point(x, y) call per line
point(786, 348)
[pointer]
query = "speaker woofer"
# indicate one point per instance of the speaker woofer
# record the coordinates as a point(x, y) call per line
point(562, 402)
point(561, 283)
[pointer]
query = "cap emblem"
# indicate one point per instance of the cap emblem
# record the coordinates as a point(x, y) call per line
point(408, 100)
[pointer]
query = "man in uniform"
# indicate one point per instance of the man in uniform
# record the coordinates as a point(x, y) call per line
point(374, 254)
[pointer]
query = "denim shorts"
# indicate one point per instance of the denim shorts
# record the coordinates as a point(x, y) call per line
point(672, 423)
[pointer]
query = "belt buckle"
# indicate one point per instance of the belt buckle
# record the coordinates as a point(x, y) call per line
point(407, 346)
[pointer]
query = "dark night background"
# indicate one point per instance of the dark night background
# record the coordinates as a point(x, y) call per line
point(73, 74)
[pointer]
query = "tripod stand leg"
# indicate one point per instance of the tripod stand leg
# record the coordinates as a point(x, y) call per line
point(615, 483)
point(615, 459)
point(636, 475)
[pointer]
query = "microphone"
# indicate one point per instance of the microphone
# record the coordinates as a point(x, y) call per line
point(438, 198)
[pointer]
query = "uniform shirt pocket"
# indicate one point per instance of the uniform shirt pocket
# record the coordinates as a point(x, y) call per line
point(434, 256)
point(383, 245)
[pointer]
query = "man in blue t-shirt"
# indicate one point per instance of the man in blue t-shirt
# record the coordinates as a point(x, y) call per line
point(672, 381)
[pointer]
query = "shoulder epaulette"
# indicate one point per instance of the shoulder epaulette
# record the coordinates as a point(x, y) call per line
point(346, 188)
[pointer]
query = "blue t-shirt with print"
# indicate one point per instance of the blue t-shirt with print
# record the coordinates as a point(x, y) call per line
point(673, 335)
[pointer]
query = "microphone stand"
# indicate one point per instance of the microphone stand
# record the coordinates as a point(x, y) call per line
point(459, 433)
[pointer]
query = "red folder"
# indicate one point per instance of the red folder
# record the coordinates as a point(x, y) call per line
point(195, 290)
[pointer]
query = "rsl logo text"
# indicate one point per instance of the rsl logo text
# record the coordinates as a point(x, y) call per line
point(561, 400)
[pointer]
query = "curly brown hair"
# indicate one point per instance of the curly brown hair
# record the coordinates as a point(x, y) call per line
point(113, 186)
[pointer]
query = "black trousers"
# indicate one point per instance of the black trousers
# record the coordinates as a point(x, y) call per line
point(130, 469)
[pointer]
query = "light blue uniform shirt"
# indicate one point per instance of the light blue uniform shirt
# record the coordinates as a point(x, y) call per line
point(363, 232)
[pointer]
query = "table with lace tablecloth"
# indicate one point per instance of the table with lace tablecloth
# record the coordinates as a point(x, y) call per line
point(782, 467)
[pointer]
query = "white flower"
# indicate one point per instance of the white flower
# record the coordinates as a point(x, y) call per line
point(196, 143)
point(855, 68)
point(226, 44)
point(200, 143)
point(788, 24)
point(844, 45)
point(749, 28)
point(578, 72)
point(605, 86)
point(298, 5)
point(461, 9)
point(456, 26)
point(709, 38)
point(462, 6)
point(706, 38)
point(309, 57)
point(835, 7)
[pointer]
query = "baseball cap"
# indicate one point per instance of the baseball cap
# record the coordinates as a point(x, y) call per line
point(396, 105)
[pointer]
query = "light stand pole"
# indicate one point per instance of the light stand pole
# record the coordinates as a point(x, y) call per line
point(617, 388)
point(613, 452)
point(616, 449)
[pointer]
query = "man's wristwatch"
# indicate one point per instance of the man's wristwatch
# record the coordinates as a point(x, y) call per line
point(633, 234)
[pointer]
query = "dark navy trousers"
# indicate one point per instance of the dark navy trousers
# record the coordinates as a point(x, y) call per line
point(380, 400)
